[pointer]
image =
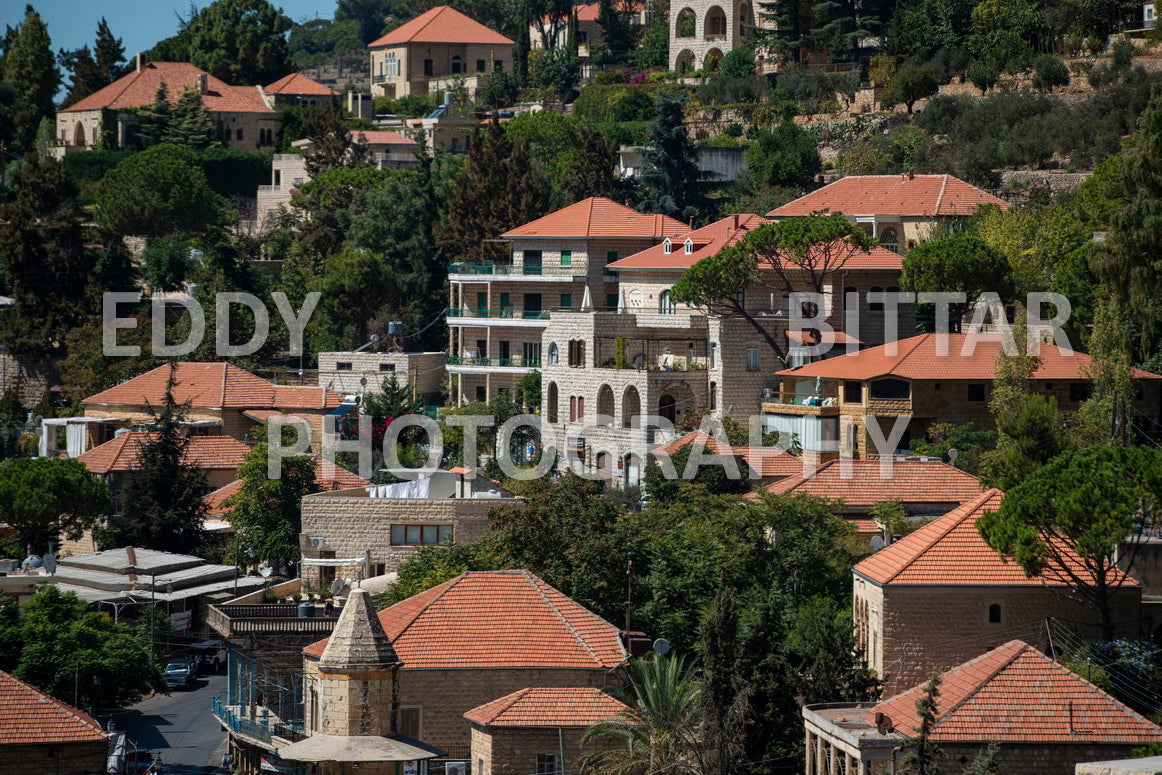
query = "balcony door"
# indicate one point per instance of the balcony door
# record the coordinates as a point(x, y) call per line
point(532, 259)
point(532, 305)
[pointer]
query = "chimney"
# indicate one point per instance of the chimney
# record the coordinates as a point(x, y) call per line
point(203, 83)
point(139, 61)
point(911, 175)
point(734, 220)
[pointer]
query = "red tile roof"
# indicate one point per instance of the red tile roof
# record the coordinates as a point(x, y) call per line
point(337, 479)
point(497, 619)
point(950, 551)
point(917, 358)
point(29, 716)
point(568, 707)
point(297, 83)
point(864, 483)
point(214, 386)
point(709, 240)
point(1016, 694)
point(204, 452)
point(587, 12)
point(139, 88)
point(381, 137)
point(598, 217)
point(768, 461)
point(892, 195)
point(442, 24)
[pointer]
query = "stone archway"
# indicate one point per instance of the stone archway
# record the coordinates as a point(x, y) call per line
point(631, 408)
point(605, 411)
point(712, 60)
point(686, 24)
point(714, 25)
point(79, 134)
point(685, 62)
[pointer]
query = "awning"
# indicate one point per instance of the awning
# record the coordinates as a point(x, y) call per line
point(331, 562)
point(358, 748)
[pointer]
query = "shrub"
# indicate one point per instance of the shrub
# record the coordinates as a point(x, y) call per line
point(619, 102)
point(91, 166)
point(983, 74)
point(738, 63)
point(727, 90)
point(411, 105)
point(1122, 55)
point(499, 90)
point(1049, 71)
point(912, 83)
point(785, 157)
point(733, 129)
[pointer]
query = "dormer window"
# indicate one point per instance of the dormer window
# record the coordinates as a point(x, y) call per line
point(689, 246)
point(667, 247)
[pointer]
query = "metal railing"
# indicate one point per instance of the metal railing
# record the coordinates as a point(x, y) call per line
point(234, 620)
point(467, 360)
point(499, 314)
point(265, 727)
point(526, 270)
point(776, 396)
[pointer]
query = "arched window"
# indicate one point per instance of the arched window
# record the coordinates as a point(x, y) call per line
point(689, 246)
point(685, 25)
point(995, 613)
point(631, 408)
point(890, 239)
point(667, 246)
point(79, 134)
point(605, 405)
point(551, 404)
point(713, 395)
point(874, 305)
point(713, 354)
point(554, 354)
point(665, 305)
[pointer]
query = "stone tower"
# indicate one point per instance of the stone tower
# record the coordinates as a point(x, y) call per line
point(357, 686)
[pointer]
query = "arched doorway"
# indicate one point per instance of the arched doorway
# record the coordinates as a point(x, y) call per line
point(633, 470)
point(605, 405)
point(715, 24)
point(712, 61)
point(631, 408)
point(79, 134)
point(551, 403)
point(685, 26)
point(667, 407)
point(683, 64)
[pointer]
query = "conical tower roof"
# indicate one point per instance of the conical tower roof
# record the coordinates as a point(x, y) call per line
point(358, 641)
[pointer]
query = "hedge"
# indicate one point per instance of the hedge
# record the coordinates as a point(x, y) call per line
point(230, 172)
point(618, 102)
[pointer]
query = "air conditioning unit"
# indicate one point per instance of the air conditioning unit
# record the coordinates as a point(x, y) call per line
point(318, 542)
point(455, 768)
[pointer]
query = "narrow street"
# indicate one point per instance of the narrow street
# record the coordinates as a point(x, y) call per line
point(179, 727)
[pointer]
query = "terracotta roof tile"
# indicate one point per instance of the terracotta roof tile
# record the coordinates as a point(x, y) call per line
point(204, 452)
point(864, 483)
point(139, 88)
point(381, 137)
point(214, 386)
point(497, 619)
point(442, 24)
point(892, 195)
point(338, 478)
point(950, 551)
point(918, 358)
point(297, 83)
point(769, 462)
point(598, 216)
point(28, 715)
point(1016, 694)
point(544, 707)
point(588, 12)
point(709, 240)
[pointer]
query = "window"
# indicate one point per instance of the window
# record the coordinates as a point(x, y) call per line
point(277, 178)
point(238, 134)
point(667, 247)
point(343, 366)
point(576, 408)
point(457, 65)
point(566, 300)
point(689, 247)
point(995, 613)
point(611, 300)
point(852, 392)
point(665, 304)
point(876, 306)
point(889, 238)
point(409, 721)
point(610, 256)
point(498, 65)
point(891, 388)
point(752, 357)
point(531, 353)
point(387, 367)
point(935, 385)
point(420, 535)
point(1080, 391)
point(566, 258)
point(554, 353)
point(576, 352)
point(481, 393)
point(480, 65)
point(546, 764)
point(429, 67)
point(713, 354)
point(713, 395)
point(976, 392)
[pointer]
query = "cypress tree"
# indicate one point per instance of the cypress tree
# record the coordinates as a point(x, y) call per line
point(923, 757)
point(92, 70)
point(30, 69)
point(189, 122)
point(671, 178)
point(153, 120)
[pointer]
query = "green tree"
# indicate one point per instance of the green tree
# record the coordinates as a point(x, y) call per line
point(910, 84)
point(332, 144)
point(370, 15)
point(983, 74)
point(43, 498)
point(963, 264)
point(654, 48)
point(267, 513)
point(1049, 71)
point(343, 320)
point(659, 731)
point(556, 69)
point(592, 171)
point(923, 757)
point(671, 182)
point(1107, 416)
point(93, 70)
point(79, 656)
point(820, 642)
point(167, 263)
point(46, 265)
point(841, 26)
point(738, 63)
point(1073, 519)
point(190, 124)
point(986, 762)
point(778, 256)
point(160, 192)
point(30, 69)
point(786, 156)
point(614, 17)
point(433, 565)
point(1007, 31)
point(786, 32)
point(162, 506)
point(922, 27)
point(153, 119)
point(240, 41)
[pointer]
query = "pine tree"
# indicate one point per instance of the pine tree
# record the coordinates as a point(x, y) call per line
point(30, 68)
point(592, 172)
point(190, 124)
point(109, 53)
point(616, 29)
point(985, 762)
point(331, 142)
point(162, 505)
point(153, 120)
point(784, 33)
point(923, 757)
point(841, 25)
point(94, 69)
point(671, 180)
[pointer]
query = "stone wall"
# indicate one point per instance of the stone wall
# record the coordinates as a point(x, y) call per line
point(426, 368)
point(507, 750)
point(29, 380)
point(1032, 758)
point(74, 758)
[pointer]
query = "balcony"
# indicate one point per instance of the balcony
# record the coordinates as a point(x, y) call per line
point(464, 316)
point(260, 725)
point(232, 621)
point(788, 403)
point(466, 364)
point(380, 78)
point(464, 271)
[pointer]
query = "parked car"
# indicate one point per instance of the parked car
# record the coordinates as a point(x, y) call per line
point(179, 675)
point(208, 656)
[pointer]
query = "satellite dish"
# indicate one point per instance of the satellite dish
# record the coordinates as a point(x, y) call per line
point(953, 453)
point(336, 586)
point(33, 561)
point(662, 646)
point(374, 338)
point(877, 543)
point(265, 571)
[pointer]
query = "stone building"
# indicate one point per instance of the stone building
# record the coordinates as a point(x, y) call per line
point(941, 595)
point(552, 32)
point(108, 116)
point(1043, 718)
point(926, 488)
point(704, 31)
point(900, 211)
point(920, 381)
point(479, 637)
point(298, 89)
point(379, 527)
point(217, 398)
point(499, 310)
point(537, 730)
point(40, 735)
point(362, 373)
point(439, 49)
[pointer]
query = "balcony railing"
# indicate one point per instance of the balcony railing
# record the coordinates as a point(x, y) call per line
point(499, 314)
point(378, 78)
point(265, 726)
point(466, 360)
point(527, 270)
point(776, 396)
point(271, 619)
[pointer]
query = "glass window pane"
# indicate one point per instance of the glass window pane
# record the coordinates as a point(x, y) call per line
point(445, 533)
point(413, 534)
point(397, 537)
point(429, 534)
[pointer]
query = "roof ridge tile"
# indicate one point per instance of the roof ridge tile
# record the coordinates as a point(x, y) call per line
point(568, 624)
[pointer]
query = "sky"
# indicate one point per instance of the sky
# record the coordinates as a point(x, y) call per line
point(139, 23)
